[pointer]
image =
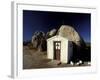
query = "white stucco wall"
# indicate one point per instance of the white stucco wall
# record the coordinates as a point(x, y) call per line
point(64, 48)
point(50, 49)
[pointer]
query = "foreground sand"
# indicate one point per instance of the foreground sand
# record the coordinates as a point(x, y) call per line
point(33, 59)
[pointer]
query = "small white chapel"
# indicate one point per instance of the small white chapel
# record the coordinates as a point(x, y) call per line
point(59, 48)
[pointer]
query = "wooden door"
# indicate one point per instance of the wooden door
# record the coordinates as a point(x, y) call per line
point(57, 49)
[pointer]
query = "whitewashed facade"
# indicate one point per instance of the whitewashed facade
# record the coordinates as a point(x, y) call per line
point(59, 48)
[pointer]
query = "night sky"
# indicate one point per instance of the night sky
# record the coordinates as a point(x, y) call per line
point(46, 21)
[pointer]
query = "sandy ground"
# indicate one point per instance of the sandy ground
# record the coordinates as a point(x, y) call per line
point(33, 59)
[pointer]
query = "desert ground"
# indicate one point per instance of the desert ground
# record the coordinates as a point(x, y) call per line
point(33, 59)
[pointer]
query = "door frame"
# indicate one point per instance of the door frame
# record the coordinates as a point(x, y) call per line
point(54, 54)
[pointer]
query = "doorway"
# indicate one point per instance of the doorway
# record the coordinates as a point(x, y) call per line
point(57, 50)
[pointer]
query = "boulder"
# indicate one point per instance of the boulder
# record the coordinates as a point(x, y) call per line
point(51, 33)
point(39, 41)
point(43, 45)
point(72, 35)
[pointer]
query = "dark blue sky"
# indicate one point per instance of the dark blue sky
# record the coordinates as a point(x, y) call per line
point(45, 21)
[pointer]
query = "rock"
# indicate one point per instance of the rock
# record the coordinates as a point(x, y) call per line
point(43, 45)
point(89, 63)
point(79, 63)
point(71, 63)
point(39, 41)
point(72, 35)
point(51, 33)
